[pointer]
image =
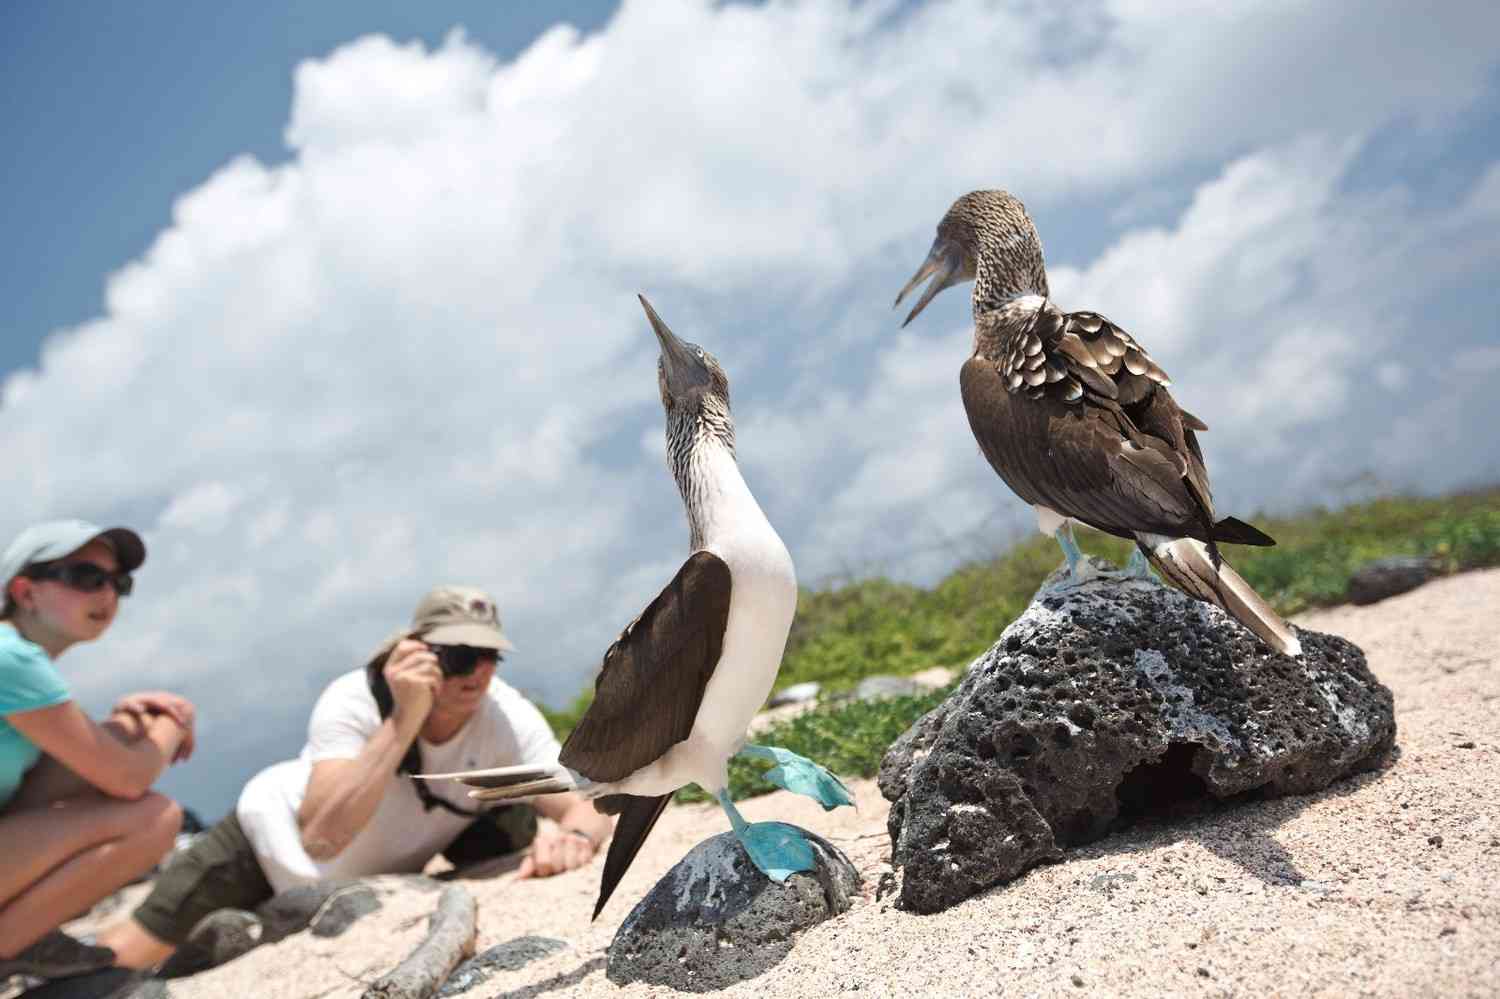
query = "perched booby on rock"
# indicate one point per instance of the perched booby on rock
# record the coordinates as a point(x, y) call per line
point(679, 686)
point(1076, 418)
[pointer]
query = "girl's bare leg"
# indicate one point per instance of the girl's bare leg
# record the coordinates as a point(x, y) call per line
point(61, 858)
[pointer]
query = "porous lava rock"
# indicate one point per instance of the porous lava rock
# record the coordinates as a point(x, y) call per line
point(1106, 700)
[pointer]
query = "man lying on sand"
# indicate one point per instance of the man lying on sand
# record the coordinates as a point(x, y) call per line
point(427, 701)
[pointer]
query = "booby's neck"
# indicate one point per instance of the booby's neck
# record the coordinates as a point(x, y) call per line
point(1007, 270)
point(719, 504)
point(994, 327)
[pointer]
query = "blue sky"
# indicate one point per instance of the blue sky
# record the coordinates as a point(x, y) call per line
point(336, 301)
point(112, 111)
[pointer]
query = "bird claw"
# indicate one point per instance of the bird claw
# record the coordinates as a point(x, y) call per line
point(800, 775)
point(1081, 570)
point(1137, 569)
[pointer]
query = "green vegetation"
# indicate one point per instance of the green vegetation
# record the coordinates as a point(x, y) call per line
point(563, 720)
point(848, 738)
point(1316, 553)
point(841, 636)
point(878, 626)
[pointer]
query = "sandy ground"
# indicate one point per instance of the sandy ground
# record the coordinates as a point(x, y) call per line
point(1388, 884)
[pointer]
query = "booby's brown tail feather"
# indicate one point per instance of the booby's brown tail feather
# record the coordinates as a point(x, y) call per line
point(1186, 564)
point(1237, 532)
point(637, 817)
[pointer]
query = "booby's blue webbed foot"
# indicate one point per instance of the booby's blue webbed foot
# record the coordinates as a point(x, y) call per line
point(778, 850)
point(800, 775)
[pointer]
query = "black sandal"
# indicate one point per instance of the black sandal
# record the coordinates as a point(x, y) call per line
point(57, 955)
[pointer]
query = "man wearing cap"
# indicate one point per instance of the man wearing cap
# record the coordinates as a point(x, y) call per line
point(78, 818)
point(427, 701)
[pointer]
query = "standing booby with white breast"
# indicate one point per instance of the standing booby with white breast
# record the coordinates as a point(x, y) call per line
point(680, 685)
point(1076, 418)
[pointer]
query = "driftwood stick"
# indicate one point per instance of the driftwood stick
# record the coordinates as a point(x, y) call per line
point(450, 939)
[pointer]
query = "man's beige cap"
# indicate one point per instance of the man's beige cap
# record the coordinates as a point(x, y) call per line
point(459, 615)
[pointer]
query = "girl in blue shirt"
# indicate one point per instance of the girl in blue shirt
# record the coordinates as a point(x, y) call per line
point(78, 818)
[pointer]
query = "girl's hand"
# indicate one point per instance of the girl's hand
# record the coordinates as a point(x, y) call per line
point(160, 702)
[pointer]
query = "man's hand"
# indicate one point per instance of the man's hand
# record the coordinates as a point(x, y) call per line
point(553, 853)
point(413, 673)
point(144, 704)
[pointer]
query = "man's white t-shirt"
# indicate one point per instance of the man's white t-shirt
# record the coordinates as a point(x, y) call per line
point(401, 836)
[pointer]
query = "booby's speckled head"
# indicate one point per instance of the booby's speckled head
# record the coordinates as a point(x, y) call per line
point(694, 388)
point(987, 238)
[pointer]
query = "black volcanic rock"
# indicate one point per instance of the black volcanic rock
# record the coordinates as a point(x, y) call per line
point(1106, 700)
point(714, 919)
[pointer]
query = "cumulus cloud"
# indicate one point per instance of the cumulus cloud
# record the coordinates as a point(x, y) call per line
point(410, 353)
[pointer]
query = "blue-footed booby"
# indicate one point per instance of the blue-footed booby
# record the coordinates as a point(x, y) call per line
point(679, 687)
point(1076, 418)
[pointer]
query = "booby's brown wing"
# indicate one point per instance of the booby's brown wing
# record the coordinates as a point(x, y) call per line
point(649, 689)
point(1061, 354)
point(1075, 416)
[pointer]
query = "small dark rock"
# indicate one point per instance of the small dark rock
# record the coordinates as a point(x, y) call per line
point(714, 919)
point(509, 956)
point(1386, 577)
point(1203, 973)
point(1078, 980)
point(327, 908)
point(1447, 931)
point(795, 694)
point(874, 688)
point(1435, 840)
point(342, 909)
point(294, 909)
point(220, 937)
point(1464, 745)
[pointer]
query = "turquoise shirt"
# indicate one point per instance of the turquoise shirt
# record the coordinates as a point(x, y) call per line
point(28, 681)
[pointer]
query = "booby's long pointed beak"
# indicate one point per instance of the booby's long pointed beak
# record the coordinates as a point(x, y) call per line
point(683, 367)
point(944, 264)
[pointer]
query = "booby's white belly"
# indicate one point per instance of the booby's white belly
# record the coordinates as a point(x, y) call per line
point(1048, 521)
point(761, 605)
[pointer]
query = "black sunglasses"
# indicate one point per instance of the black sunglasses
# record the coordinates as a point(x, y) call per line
point(85, 577)
point(461, 660)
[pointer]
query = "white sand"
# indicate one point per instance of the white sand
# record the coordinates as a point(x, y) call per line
point(1343, 893)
